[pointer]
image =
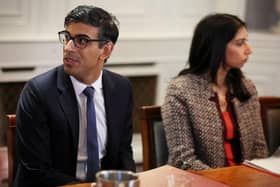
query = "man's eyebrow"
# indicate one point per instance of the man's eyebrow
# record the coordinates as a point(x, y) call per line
point(81, 35)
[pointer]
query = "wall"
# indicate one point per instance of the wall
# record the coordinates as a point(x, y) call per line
point(155, 35)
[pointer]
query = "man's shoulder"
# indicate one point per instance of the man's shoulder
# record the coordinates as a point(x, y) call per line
point(116, 82)
point(47, 76)
point(46, 81)
point(115, 77)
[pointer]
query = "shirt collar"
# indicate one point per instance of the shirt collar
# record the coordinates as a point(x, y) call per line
point(79, 86)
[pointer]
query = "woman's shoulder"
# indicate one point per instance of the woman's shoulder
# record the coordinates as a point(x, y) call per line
point(249, 84)
point(188, 84)
point(186, 80)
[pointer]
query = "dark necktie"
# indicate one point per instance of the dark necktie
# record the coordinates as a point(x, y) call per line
point(92, 144)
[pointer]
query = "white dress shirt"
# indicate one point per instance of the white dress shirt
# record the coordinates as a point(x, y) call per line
point(100, 123)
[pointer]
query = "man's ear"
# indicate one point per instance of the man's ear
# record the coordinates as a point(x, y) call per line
point(107, 50)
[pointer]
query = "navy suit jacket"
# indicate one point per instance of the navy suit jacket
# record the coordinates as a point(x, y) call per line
point(48, 128)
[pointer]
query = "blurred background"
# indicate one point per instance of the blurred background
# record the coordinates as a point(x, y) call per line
point(153, 46)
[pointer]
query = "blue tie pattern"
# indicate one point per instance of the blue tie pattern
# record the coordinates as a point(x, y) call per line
point(92, 144)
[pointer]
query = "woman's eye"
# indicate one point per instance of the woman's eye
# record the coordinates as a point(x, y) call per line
point(239, 43)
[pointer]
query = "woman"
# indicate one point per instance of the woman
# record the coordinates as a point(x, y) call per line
point(211, 111)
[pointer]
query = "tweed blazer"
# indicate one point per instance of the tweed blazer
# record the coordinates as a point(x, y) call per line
point(194, 129)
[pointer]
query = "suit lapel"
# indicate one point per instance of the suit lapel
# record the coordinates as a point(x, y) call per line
point(69, 104)
point(108, 90)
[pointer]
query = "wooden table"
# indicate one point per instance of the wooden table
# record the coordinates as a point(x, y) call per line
point(236, 176)
point(242, 176)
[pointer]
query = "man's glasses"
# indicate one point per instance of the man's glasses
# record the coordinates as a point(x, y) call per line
point(80, 41)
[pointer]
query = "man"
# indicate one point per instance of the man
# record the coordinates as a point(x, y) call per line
point(55, 113)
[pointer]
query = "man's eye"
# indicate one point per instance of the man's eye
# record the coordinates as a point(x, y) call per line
point(82, 40)
point(67, 37)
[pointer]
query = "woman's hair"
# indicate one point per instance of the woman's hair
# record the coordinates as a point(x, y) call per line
point(208, 47)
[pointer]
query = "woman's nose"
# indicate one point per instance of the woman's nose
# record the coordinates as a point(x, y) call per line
point(248, 49)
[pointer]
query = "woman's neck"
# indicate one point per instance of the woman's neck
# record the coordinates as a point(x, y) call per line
point(220, 88)
point(221, 77)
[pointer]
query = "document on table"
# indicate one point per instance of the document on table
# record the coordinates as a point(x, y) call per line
point(159, 177)
point(270, 164)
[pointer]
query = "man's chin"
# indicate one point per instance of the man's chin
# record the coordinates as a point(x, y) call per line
point(68, 69)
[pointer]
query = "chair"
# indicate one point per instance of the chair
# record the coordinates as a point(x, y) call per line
point(11, 119)
point(155, 151)
point(270, 112)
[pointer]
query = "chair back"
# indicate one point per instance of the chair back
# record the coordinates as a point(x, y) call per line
point(270, 112)
point(155, 151)
point(11, 130)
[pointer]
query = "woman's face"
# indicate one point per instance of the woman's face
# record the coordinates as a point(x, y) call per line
point(238, 50)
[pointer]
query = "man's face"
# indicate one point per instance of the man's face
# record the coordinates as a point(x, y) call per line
point(85, 64)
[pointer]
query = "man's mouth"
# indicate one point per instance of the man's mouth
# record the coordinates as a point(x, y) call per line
point(70, 60)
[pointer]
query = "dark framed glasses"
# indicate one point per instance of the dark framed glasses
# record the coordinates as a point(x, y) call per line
point(80, 41)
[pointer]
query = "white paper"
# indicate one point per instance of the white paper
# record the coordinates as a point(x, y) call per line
point(271, 164)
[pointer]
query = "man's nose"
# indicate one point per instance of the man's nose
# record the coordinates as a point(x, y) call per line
point(70, 46)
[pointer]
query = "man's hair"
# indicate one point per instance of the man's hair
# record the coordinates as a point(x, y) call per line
point(97, 17)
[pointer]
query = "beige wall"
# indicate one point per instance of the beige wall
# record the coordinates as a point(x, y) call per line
point(157, 31)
